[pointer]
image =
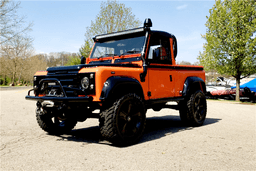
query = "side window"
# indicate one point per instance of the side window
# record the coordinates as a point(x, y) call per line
point(159, 50)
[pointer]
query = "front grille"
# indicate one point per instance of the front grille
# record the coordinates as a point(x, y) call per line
point(70, 85)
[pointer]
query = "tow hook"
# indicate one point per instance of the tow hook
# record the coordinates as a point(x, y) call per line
point(47, 103)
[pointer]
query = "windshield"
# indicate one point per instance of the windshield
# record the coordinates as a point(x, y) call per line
point(118, 47)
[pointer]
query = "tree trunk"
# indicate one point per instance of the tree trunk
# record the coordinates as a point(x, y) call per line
point(13, 78)
point(4, 80)
point(237, 88)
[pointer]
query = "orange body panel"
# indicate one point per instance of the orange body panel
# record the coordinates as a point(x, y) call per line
point(169, 81)
point(158, 80)
point(104, 72)
point(181, 76)
point(160, 83)
point(40, 73)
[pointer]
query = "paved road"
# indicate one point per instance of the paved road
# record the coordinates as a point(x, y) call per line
point(225, 142)
point(14, 88)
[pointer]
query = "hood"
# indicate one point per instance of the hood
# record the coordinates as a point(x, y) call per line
point(65, 68)
point(76, 68)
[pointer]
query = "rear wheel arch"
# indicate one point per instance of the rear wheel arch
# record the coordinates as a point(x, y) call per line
point(193, 84)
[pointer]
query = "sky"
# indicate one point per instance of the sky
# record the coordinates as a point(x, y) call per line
point(60, 25)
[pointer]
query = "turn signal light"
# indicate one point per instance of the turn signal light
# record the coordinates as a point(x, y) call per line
point(41, 95)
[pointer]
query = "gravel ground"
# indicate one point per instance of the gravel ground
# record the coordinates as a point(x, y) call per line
point(225, 142)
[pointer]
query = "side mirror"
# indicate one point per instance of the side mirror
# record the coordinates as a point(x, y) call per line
point(83, 60)
point(154, 52)
point(175, 49)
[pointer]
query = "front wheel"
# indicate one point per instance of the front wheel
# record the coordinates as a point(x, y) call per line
point(124, 122)
point(193, 110)
point(52, 123)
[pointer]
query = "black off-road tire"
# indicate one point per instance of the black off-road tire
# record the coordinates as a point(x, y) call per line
point(183, 110)
point(124, 122)
point(52, 124)
point(193, 110)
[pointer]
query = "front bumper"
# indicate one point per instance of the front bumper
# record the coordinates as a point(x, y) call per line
point(56, 98)
point(59, 99)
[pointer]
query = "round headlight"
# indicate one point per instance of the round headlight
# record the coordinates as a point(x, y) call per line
point(85, 82)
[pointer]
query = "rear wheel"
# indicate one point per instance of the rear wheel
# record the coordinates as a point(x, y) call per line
point(54, 124)
point(193, 110)
point(124, 122)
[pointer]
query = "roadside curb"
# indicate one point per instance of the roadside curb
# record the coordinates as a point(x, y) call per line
point(233, 102)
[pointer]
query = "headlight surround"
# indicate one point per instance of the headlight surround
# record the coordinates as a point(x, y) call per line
point(85, 82)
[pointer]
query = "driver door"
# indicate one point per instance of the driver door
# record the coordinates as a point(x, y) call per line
point(160, 72)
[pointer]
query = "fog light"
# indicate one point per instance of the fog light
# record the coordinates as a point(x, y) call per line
point(91, 86)
point(91, 76)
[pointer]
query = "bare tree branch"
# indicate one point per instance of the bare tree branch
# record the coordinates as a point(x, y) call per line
point(11, 25)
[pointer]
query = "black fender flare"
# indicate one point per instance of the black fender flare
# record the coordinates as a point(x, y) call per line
point(193, 83)
point(115, 83)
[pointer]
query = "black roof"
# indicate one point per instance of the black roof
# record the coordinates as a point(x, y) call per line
point(162, 34)
point(120, 34)
point(128, 33)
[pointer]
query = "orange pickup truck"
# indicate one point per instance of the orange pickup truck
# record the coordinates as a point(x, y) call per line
point(126, 73)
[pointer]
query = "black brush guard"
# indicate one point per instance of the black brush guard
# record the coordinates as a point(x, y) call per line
point(57, 98)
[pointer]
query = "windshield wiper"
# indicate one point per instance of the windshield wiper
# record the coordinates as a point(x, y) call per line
point(131, 52)
point(107, 55)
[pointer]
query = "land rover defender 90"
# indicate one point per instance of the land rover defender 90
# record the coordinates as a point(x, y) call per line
point(126, 73)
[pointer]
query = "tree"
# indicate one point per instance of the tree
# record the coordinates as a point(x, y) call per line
point(184, 63)
point(85, 49)
point(33, 64)
point(3, 70)
point(113, 17)
point(14, 55)
point(58, 58)
point(230, 46)
point(73, 60)
point(15, 44)
point(11, 25)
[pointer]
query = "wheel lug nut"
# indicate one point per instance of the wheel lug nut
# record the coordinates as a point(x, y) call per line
point(129, 118)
